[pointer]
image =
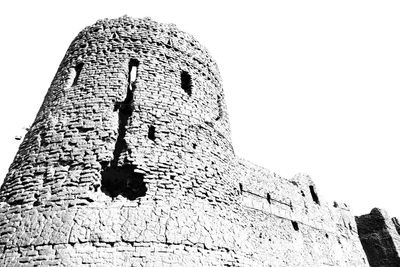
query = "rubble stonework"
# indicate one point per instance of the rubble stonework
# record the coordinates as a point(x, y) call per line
point(129, 162)
point(380, 238)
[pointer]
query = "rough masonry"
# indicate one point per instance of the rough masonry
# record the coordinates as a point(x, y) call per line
point(129, 162)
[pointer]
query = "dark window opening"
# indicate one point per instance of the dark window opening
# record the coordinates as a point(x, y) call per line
point(269, 198)
point(295, 225)
point(314, 195)
point(152, 133)
point(241, 188)
point(186, 82)
point(335, 204)
point(194, 146)
point(78, 69)
point(118, 177)
point(302, 193)
point(326, 235)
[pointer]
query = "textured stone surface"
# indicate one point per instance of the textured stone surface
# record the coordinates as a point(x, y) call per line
point(380, 238)
point(129, 162)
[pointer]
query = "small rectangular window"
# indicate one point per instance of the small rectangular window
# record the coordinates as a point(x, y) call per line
point(186, 82)
point(78, 69)
point(314, 194)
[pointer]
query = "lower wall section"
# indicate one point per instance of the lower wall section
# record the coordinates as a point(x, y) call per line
point(164, 234)
point(119, 254)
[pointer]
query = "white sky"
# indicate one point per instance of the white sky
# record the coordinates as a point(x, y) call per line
point(311, 86)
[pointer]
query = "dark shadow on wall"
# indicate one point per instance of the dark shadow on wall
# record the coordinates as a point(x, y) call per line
point(377, 239)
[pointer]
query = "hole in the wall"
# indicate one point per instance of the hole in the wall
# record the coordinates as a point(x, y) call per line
point(335, 204)
point(37, 202)
point(326, 235)
point(295, 225)
point(240, 188)
point(186, 82)
point(302, 193)
point(269, 198)
point(194, 146)
point(152, 133)
point(314, 194)
point(78, 69)
point(42, 139)
point(124, 181)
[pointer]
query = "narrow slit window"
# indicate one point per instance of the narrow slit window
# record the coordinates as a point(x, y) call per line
point(152, 133)
point(220, 111)
point(314, 194)
point(295, 225)
point(269, 198)
point(241, 188)
point(133, 68)
point(78, 69)
point(186, 82)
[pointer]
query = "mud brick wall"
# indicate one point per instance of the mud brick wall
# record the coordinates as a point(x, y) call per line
point(129, 162)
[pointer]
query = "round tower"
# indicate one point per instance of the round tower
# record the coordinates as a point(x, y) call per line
point(129, 159)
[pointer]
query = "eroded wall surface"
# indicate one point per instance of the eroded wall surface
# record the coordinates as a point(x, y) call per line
point(291, 225)
point(129, 162)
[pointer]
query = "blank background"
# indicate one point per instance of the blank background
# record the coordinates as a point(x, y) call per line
point(311, 86)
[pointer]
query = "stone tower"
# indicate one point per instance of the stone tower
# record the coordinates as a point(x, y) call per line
point(129, 162)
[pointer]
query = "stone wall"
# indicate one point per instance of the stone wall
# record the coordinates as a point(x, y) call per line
point(129, 162)
point(380, 238)
point(288, 217)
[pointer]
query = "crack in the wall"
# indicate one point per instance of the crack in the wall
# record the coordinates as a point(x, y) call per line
point(118, 177)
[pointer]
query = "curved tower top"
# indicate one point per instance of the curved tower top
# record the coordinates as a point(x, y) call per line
point(131, 97)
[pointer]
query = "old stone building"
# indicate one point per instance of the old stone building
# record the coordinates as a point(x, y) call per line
point(129, 162)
